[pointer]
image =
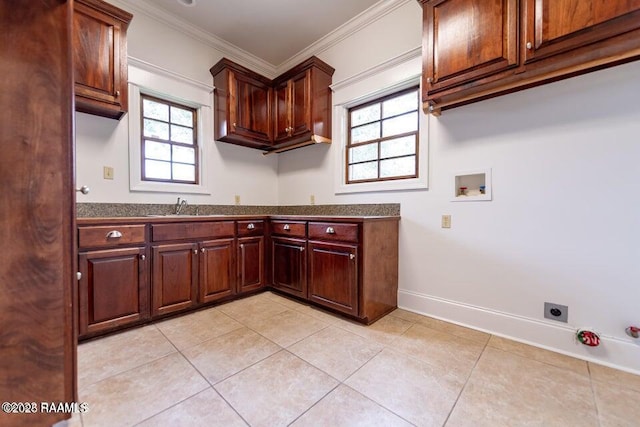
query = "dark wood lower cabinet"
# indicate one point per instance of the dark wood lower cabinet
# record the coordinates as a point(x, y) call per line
point(113, 290)
point(289, 266)
point(217, 278)
point(250, 263)
point(174, 277)
point(333, 276)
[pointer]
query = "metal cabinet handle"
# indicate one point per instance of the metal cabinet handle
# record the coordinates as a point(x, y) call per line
point(143, 257)
point(429, 80)
point(330, 230)
point(195, 252)
point(251, 226)
point(114, 234)
point(78, 275)
point(529, 45)
point(84, 189)
point(352, 256)
point(242, 246)
point(201, 250)
point(286, 227)
point(117, 93)
point(233, 124)
point(301, 248)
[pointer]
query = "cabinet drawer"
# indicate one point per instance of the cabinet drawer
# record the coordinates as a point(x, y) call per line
point(110, 235)
point(250, 228)
point(333, 231)
point(192, 230)
point(289, 228)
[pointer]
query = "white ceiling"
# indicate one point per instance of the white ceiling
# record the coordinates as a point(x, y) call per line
point(272, 30)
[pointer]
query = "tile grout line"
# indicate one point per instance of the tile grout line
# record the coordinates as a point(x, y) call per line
point(455, 403)
point(593, 394)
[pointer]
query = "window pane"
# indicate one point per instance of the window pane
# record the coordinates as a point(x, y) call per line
point(155, 110)
point(157, 170)
point(157, 150)
point(184, 154)
point(363, 153)
point(402, 166)
point(401, 124)
point(365, 115)
point(156, 129)
point(184, 172)
point(181, 116)
point(398, 147)
point(399, 105)
point(365, 133)
point(181, 134)
point(363, 171)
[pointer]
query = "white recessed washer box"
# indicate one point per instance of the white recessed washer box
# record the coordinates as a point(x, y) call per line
point(471, 186)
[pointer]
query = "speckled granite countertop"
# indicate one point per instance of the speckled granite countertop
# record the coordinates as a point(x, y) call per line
point(134, 210)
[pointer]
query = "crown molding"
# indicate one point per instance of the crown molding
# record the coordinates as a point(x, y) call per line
point(355, 24)
point(228, 50)
point(147, 66)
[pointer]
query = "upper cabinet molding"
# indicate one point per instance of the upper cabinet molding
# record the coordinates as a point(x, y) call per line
point(474, 49)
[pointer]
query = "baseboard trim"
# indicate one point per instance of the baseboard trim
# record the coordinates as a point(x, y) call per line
point(612, 352)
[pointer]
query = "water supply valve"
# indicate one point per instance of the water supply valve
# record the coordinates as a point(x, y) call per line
point(588, 337)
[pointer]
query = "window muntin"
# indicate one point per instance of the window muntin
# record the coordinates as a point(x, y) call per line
point(383, 138)
point(169, 141)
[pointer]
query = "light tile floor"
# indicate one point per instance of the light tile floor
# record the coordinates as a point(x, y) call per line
point(270, 361)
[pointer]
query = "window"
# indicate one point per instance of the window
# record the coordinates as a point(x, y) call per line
point(383, 138)
point(169, 142)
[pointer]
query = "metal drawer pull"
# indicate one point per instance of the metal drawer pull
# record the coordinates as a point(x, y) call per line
point(330, 230)
point(114, 234)
point(251, 226)
point(202, 250)
point(143, 257)
point(352, 256)
point(286, 227)
point(301, 248)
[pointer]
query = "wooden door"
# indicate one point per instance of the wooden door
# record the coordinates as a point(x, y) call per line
point(100, 58)
point(289, 266)
point(465, 40)
point(174, 278)
point(300, 104)
point(333, 276)
point(113, 290)
point(38, 263)
point(217, 273)
point(249, 108)
point(250, 263)
point(557, 26)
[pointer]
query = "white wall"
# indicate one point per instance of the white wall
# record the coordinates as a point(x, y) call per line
point(563, 224)
point(562, 227)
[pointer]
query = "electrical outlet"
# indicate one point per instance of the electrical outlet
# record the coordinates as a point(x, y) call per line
point(107, 172)
point(556, 312)
point(446, 221)
point(237, 199)
point(312, 199)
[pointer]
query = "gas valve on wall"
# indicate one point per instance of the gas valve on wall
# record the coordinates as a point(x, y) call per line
point(588, 337)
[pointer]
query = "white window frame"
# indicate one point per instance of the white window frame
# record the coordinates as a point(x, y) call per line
point(172, 88)
point(386, 79)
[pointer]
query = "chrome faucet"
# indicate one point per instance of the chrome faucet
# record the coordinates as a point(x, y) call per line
point(180, 204)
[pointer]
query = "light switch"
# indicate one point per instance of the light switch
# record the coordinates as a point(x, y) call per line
point(446, 221)
point(312, 199)
point(237, 199)
point(107, 172)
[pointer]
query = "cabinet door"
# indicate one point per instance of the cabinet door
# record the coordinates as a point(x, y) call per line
point(282, 119)
point(301, 104)
point(249, 108)
point(333, 276)
point(289, 266)
point(466, 40)
point(113, 290)
point(100, 55)
point(250, 263)
point(556, 26)
point(174, 278)
point(217, 276)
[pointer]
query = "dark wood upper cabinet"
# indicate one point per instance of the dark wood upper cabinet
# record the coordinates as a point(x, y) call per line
point(257, 112)
point(467, 39)
point(100, 58)
point(242, 105)
point(477, 49)
point(303, 104)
